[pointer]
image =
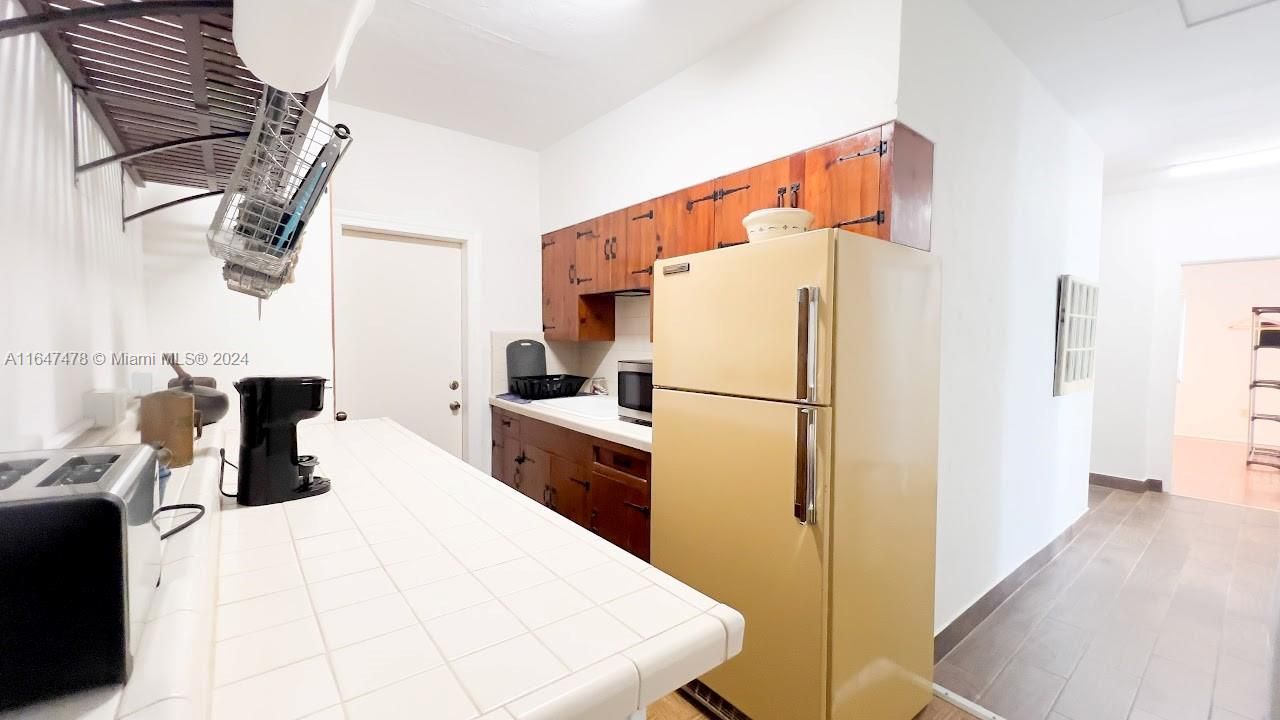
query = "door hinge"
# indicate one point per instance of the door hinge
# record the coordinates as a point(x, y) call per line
point(644, 216)
point(877, 218)
point(642, 509)
point(879, 148)
point(545, 327)
point(716, 196)
point(585, 233)
point(548, 244)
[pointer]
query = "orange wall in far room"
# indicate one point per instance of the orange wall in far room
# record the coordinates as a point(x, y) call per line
point(1213, 392)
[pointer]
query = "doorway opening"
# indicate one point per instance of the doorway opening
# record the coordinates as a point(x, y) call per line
point(399, 331)
point(1226, 443)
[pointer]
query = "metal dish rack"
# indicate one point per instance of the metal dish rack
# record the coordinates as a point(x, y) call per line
point(1265, 336)
point(277, 183)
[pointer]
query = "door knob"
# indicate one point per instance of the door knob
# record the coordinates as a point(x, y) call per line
point(340, 416)
point(455, 406)
point(453, 385)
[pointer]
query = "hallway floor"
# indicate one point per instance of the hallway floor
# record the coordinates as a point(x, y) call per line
point(675, 707)
point(1162, 608)
point(1215, 470)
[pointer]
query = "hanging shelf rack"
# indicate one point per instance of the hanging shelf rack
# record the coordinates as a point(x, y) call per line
point(163, 80)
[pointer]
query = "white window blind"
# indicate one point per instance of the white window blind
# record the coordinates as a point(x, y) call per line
point(1077, 334)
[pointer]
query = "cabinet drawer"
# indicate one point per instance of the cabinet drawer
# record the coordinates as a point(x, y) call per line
point(624, 459)
point(506, 424)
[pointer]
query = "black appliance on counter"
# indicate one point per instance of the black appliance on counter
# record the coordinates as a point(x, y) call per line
point(79, 562)
point(271, 470)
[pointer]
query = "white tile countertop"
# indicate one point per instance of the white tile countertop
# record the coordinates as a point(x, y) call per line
point(421, 587)
point(632, 435)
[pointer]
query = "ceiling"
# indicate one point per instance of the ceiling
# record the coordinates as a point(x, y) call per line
point(1153, 86)
point(529, 72)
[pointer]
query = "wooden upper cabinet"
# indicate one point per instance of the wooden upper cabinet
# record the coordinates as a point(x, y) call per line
point(842, 183)
point(588, 263)
point(612, 258)
point(878, 183)
point(686, 221)
point(779, 183)
point(906, 187)
point(559, 291)
point(642, 244)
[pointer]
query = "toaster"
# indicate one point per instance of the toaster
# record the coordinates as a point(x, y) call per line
point(79, 562)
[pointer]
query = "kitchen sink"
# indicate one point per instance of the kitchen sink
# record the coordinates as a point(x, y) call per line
point(594, 407)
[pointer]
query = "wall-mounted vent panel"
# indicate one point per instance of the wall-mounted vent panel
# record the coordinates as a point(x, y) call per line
point(1077, 334)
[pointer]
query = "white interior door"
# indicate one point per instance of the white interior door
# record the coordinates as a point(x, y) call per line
point(397, 307)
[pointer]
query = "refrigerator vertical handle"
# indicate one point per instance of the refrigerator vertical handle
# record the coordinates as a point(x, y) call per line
point(806, 497)
point(807, 344)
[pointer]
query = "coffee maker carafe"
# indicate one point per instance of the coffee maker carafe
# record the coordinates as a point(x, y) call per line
point(271, 470)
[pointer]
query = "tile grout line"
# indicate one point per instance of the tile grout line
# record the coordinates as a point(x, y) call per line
point(1056, 597)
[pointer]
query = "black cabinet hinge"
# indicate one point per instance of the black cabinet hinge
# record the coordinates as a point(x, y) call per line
point(642, 509)
point(716, 196)
point(644, 216)
point(877, 218)
point(548, 244)
point(879, 148)
point(585, 233)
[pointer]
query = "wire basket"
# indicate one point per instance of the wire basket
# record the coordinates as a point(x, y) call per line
point(282, 172)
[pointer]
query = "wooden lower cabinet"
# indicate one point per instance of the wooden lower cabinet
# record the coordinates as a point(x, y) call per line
point(570, 486)
point(620, 510)
point(598, 484)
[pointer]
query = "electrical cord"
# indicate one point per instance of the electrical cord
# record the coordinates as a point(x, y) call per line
point(186, 524)
point(222, 471)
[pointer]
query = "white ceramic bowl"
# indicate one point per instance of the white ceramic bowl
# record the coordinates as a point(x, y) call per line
point(775, 222)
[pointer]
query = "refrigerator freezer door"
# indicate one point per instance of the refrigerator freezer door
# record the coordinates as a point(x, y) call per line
point(752, 320)
point(729, 477)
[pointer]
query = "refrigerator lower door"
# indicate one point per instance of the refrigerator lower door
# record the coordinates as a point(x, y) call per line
point(753, 320)
point(739, 512)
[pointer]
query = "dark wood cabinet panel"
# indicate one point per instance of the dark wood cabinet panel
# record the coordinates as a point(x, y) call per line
point(620, 510)
point(570, 484)
point(559, 291)
point(643, 245)
point(598, 484)
point(842, 184)
point(779, 183)
point(587, 261)
point(534, 473)
point(612, 267)
point(906, 187)
point(685, 221)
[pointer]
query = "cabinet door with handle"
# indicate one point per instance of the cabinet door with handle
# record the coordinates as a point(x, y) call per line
point(686, 220)
point(569, 485)
point(842, 183)
point(588, 257)
point(620, 510)
point(533, 470)
point(613, 250)
point(559, 289)
point(779, 183)
point(643, 243)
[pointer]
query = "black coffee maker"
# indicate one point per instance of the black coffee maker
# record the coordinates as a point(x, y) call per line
point(271, 470)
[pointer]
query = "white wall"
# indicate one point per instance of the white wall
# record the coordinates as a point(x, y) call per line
point(1217, 350)
point(72, 277)
point(1016, 202)
point(191, 310)
point(815, 72)
point(397, 173)
point(460, 186)
point(1152, 227)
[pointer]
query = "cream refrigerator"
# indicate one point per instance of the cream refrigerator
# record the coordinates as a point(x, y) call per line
point(795, 418)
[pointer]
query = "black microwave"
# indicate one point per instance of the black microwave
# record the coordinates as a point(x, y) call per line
point(635, 391)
